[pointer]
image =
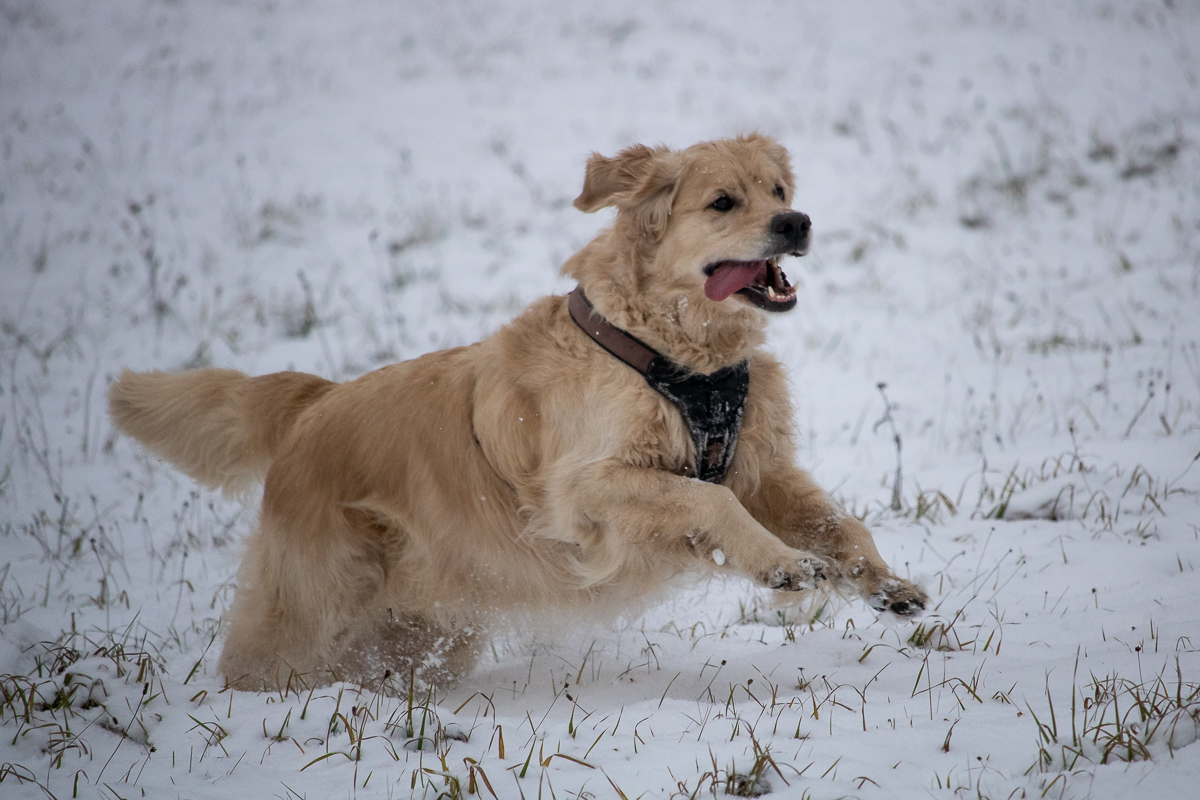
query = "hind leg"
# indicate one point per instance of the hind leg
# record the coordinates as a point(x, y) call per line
point(303, 591)
point(393, 651)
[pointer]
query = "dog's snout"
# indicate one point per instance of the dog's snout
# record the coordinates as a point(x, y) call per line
point(791, 230)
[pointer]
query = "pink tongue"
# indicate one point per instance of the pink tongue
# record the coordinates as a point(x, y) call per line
point(731, 276)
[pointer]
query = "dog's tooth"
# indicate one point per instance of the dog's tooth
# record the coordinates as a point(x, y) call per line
point(719, 557)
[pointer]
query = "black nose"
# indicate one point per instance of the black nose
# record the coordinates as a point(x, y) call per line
point(790, 229)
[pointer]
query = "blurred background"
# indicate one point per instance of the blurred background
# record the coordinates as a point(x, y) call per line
point(1006, 206)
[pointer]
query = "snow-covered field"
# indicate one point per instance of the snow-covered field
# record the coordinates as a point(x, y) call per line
point(1006, 199)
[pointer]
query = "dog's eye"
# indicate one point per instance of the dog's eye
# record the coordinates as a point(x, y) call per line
point(781, 194)
point(723, 203)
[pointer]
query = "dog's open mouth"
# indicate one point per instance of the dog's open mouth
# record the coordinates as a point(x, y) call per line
point(761, 282)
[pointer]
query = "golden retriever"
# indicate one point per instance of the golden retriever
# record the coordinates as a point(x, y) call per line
point(408, 511)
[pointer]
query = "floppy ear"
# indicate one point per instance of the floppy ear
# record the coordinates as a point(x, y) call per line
point(638, 180)
point(608, 180)
point(779, 154)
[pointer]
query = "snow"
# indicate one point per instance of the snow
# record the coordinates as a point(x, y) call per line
point(1006, 208)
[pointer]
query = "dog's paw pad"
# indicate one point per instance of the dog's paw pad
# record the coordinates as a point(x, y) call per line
point(806, 573)
point(907, 608)
point(785, 581)
point(899, 597)
point(813, 566)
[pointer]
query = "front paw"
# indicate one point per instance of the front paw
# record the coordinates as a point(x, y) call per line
point(900, 597)
point(796, 574)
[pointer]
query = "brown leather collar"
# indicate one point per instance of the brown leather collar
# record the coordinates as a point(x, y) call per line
point(627, 348)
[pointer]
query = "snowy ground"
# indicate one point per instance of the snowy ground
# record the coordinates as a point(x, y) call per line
point(1007, 204)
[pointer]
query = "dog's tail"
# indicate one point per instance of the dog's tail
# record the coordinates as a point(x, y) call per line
point(219, 426)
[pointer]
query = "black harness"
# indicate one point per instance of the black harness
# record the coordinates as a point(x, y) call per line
point(711, 405)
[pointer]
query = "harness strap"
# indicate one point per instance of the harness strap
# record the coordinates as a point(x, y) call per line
point(711, 405)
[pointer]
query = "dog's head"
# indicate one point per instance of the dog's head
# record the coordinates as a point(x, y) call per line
point(713, 220)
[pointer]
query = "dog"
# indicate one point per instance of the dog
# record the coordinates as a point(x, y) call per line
point(408, 512)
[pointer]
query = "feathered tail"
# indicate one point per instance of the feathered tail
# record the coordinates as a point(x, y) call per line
point(219, 426)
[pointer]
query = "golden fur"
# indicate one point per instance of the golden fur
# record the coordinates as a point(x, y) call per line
point(406, 511)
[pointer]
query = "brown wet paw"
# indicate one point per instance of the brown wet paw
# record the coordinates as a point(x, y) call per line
point(900, 597)
point(803, 573)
